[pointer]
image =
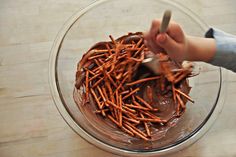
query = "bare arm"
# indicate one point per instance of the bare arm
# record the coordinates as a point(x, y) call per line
point(219, 48)
point(200, 49)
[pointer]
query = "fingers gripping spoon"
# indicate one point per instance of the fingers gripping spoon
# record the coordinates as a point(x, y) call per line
point(151, 61)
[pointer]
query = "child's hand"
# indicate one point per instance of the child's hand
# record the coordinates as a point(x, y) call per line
point(173, 41)
point(178, 46)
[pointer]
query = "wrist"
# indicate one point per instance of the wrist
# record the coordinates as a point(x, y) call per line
point(200, 49)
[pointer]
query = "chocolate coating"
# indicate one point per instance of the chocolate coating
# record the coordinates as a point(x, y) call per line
point(162, 99)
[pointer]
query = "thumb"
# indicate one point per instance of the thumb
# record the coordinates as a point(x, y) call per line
point(166, 42)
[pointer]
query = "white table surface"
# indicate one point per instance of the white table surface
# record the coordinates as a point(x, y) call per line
point(31, 126)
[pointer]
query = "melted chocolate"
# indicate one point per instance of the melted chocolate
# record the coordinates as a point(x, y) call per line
point(162, 99)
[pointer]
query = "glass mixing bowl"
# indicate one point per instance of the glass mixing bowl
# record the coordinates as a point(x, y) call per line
point(93, 24)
